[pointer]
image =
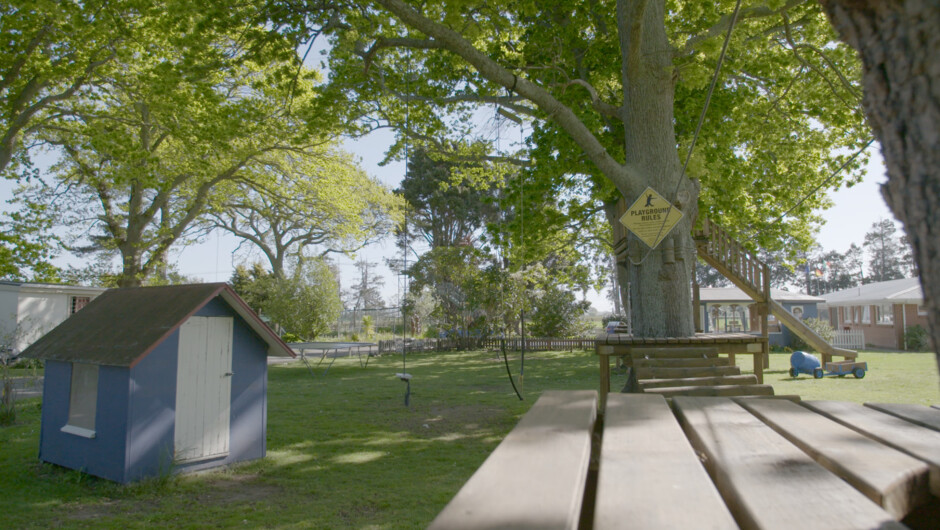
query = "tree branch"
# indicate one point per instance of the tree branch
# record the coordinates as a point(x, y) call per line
point(623, 176)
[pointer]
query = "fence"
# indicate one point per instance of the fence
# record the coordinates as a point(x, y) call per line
point(494, 343)
point(849, 339)
point(394, 345)
point(538, 344)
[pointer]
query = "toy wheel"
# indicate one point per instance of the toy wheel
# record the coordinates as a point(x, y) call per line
point(818, 373)
point(794, 372)
point(858, 373)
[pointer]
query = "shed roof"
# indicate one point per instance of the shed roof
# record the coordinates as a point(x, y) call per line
point(121, 326)
point(733, 294)
point(902, 291)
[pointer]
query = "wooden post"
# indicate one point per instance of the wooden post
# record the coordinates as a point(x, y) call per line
point(603, 356)
point(764, 318)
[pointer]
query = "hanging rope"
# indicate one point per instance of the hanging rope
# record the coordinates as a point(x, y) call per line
point(501, 257)
point(404, 375)
point(522, 244)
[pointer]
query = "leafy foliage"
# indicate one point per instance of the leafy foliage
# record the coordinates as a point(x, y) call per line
point(147, 149)
point(26, 244)
point(784, 115)
point(557, 313)
point(317, 203)
point(885, 251)
point(305, 303)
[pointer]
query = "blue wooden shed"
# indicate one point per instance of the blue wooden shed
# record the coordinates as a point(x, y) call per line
point(152, 380)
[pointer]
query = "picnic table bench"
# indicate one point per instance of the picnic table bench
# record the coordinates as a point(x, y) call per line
point(704, 462)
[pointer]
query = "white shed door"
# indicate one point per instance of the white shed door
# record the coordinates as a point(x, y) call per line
point(203, 388)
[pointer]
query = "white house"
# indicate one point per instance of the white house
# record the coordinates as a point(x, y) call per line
point(30, 310)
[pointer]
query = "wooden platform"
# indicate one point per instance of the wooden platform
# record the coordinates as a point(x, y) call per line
point(702, 463)
point(702, 356)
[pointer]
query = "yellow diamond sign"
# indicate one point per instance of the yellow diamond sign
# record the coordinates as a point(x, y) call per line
point(651, 217)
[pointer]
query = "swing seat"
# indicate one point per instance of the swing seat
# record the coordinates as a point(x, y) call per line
point(403, 377)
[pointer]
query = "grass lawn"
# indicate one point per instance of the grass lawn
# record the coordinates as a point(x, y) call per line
point(344, 451)
point(891, 378)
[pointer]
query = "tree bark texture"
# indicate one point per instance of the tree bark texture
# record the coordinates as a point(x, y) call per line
point(660, 279)
point(899, 44)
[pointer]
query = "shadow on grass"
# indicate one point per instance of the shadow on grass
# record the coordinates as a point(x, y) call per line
point(343, 450)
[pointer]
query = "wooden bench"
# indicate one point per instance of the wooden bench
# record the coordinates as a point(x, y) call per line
point(536, 477)
point(700, 463)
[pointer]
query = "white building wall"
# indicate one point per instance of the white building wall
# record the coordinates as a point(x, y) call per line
point(38, 314)
point(9, 296)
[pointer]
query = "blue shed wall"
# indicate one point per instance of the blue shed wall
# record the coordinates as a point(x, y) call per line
point(103, 455)
point(136, 410)
point(152, 412)
point(248, 421)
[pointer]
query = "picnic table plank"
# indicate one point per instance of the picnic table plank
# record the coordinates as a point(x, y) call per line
point(535, 478)
point(650, 477)
point(919, 414)
point(766, 481)
point(920, 442)
point(894, 480)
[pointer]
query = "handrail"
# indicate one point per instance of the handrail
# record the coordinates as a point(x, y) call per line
point(720, 250)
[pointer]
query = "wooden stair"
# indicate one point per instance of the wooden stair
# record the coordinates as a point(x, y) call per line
point(692, 371)
point(748, 273)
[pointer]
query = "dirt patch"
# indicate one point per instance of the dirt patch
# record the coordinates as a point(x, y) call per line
point(219, 490)
point(230, 489)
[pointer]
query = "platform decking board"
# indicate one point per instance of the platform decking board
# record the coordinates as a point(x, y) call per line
point(920, 442)
point(720, 390)
point(681, 363)
point(918, 414)
point(748, 379)
point(536, 477)
point(894, 480)
point(674, 373)
point(650, 477)
point(766, 481)
point(689, 351)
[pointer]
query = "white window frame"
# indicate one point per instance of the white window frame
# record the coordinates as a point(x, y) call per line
point(83, 400)
point(921, 309)
point(885, 314)
point(866, 314)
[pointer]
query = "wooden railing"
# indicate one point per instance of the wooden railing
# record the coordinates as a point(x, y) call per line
point(717, 248)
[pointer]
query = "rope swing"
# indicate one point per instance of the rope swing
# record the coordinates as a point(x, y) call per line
point(502, 265)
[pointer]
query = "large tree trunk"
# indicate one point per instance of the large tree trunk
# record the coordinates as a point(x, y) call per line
point(661, 278)
point(898, 42)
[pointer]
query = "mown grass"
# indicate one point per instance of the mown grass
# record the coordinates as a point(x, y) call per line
point(344, 451)
point(891, 378)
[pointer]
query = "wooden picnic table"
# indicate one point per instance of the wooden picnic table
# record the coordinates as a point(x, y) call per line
point(705, 462)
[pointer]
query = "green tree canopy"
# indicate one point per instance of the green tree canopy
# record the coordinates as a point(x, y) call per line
point(613, 91)
point(318, 203)
point(175, 128)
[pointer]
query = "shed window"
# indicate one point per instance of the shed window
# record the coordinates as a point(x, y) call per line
point(83, 400)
